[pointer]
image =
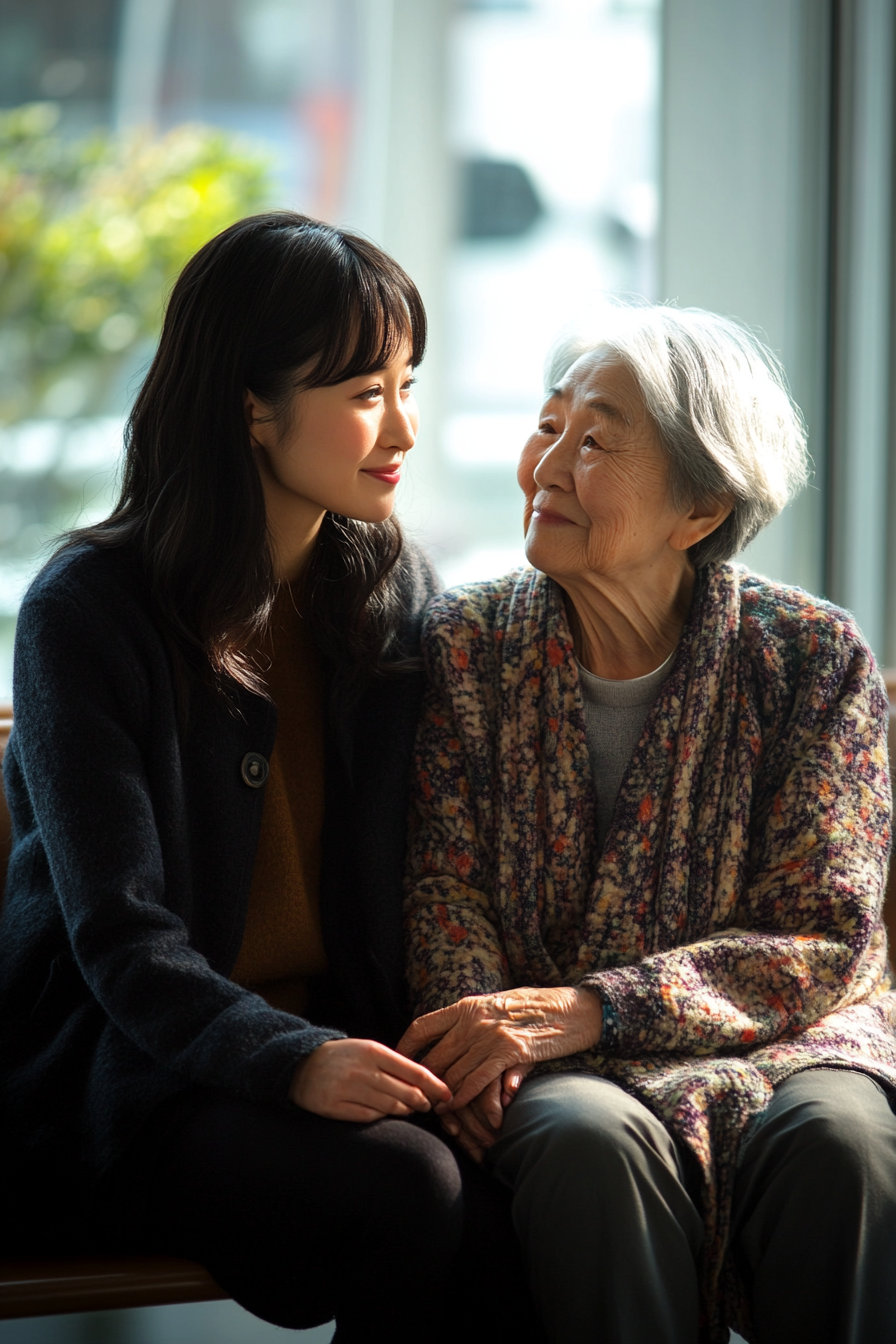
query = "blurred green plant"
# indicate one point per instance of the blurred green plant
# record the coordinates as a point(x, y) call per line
point(92, 234)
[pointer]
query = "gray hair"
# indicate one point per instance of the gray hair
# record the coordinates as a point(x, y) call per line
point(719, 400)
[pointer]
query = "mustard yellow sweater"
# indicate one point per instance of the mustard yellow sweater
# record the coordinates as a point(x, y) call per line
point(282, 948)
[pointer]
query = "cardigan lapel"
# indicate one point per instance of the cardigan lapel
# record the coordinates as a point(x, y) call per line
point(658, 882)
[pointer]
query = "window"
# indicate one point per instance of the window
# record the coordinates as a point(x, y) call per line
point(519, 157)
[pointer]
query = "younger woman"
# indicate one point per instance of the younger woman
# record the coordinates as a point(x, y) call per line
point(215, 700)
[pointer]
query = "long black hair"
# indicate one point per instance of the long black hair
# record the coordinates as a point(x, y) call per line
point(274, 304)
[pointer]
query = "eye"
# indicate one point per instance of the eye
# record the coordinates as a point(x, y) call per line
point(370, 393)
point(591, 442)
point(408, 384)
point(545, 427)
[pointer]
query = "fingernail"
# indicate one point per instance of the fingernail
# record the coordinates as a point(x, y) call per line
point(516, 1081)
point(442, 1107)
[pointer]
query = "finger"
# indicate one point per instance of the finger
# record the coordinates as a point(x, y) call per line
point(476, 1129)
point(451, 1047)
point(466, 1047)
point(425, 1029)
point(375, 1090)
point(488, 1106)
point(511, 1083)
point(476, 1082)
point(436, 1090)
point(459, 1072)
point(390, 1106)
point(370, 1097)
point(484, 1061)
point(382, 1091)
point(513, 1079)
point(384, 1086)
point(478, 1133)
point(417, 1075)
point(450, 1124)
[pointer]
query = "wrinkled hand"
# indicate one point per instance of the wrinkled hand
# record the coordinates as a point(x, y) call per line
point(479, 1038)
point(475, 1126)
point(364, 1081)
point(471, 1127)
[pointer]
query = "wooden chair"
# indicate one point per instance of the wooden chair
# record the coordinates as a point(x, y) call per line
point(37, 1287)
point(30, 1287)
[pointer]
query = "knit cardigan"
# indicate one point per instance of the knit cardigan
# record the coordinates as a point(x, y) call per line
point(134, 840)
point(732, 923)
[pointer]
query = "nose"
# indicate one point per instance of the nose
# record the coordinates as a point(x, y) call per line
point(553, 470)
point(399, 425)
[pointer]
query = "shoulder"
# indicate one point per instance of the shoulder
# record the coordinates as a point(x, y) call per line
point(471, 631)
point(795, 626)
point(801, 648)
point(472, 610)
point(86, 619)
point(87, 576)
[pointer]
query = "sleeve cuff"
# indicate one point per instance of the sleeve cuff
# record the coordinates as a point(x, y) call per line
point(609, 1041)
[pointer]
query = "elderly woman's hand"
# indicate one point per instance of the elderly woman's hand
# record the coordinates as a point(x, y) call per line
point(475, 1126)
point(479, 1038)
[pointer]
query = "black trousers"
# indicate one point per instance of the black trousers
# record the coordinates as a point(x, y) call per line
point(301, 1219)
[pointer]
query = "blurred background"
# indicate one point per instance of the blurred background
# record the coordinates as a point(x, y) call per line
point(520, 158)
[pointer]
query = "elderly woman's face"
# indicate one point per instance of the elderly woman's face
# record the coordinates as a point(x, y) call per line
point(595, 478)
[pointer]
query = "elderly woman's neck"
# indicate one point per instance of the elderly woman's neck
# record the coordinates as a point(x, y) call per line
point(623, 630)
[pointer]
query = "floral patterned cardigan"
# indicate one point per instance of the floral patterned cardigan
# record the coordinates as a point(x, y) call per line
point(732, 924)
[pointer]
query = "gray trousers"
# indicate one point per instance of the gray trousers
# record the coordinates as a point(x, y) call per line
point(604, 1210)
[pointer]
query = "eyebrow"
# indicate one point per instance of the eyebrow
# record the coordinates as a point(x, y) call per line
point(609, 408)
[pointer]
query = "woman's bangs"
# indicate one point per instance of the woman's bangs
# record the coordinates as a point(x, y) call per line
point(382, 315)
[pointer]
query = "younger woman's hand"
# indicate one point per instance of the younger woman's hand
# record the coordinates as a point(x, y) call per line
point(477, 1039)
point(364, 1081)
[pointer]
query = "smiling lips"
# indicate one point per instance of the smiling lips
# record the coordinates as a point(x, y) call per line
point(391, 475)
point(552, 519)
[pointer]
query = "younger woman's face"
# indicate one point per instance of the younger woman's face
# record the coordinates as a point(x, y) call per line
point(343, 449)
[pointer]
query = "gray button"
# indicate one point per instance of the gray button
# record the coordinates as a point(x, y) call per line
point(254, 769)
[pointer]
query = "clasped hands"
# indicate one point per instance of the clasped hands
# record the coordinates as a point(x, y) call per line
point(475, 1055)
point(483, 1047)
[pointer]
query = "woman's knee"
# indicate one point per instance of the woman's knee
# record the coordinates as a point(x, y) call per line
point(583, 1127)
point(834, 1126)
point(413, 1173)
point(351, 1182)
point(292, 1212)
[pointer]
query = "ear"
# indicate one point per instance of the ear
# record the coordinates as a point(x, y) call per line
point(698, 522)
point(258, 418)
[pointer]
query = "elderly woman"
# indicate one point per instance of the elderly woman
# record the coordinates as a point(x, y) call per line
point(644, 911)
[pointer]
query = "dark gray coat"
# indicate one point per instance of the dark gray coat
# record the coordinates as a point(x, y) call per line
point(133, 848)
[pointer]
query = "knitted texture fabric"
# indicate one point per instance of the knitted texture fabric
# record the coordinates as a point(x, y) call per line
point(732, 923)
